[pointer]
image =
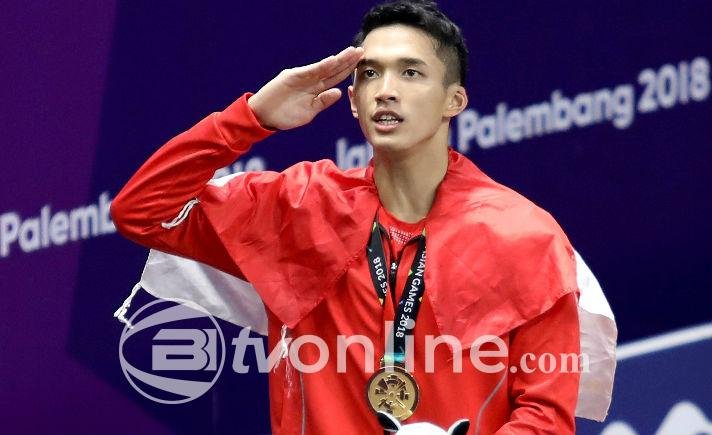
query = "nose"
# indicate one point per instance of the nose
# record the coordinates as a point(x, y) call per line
point(387, 89)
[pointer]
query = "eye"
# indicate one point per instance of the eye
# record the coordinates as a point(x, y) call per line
point(411, 73)
point(368, 73)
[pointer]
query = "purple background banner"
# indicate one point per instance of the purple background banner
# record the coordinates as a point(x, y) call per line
point(90, 90)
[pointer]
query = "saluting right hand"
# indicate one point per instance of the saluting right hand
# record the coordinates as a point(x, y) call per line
point(297, 95)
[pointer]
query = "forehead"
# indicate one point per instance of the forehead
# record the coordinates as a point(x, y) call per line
point(399, 41)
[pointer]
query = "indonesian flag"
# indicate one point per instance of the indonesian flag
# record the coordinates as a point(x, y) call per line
point(234, 300)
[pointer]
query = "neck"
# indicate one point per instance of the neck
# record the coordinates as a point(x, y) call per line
point(407, 182)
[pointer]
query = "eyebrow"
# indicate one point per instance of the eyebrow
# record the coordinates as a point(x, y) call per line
point(403, 61)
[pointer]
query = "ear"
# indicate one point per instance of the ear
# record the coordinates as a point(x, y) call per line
point(460, 427)
point(388, 422)
point(456, 102)
point(354, 112)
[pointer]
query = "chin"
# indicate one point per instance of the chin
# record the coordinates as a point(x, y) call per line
point(385, 141)
point(386, 144)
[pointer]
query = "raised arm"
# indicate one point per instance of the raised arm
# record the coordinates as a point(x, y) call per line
point(170, 204)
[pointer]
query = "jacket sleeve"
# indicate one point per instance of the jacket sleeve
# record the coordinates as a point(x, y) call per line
point(165, 204)
point(544, 389)
point(291, 234)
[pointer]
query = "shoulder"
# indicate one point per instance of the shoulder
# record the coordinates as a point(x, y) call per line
point(319, 185)
point(327, 173)
point(520, 238)
point(518, 216)
point(320, 174)
point(325, 183)
point(525, 239)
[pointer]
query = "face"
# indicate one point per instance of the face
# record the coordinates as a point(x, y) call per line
point(399, 95)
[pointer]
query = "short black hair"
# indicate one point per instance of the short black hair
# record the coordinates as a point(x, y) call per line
point(423, 15)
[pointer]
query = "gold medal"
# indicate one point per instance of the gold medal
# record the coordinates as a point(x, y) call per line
point(393, 390)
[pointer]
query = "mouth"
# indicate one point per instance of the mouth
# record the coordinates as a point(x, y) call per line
point(386, 120)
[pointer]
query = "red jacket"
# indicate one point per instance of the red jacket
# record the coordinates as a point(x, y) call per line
point(497, 264)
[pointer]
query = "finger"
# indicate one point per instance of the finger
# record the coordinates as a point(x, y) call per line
point(346, 67)
point(323, 66)
point(346, 56)
point(316, 69)
point(346, 59)
point(339, 76)
point(326, 99)
point(327, 66)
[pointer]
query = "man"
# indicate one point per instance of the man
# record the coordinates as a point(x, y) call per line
point(338, 253)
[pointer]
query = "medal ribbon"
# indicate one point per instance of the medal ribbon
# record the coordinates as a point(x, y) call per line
point(409, 304)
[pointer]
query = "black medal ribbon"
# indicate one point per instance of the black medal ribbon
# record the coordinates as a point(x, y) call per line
point(410, 301)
